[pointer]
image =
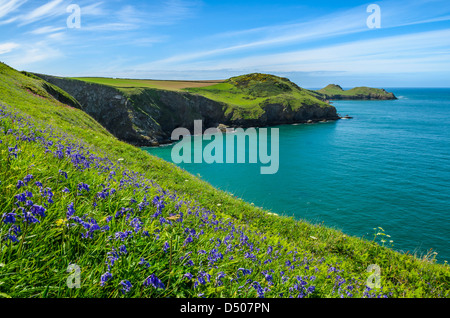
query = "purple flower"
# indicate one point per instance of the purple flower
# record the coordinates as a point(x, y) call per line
point(244, 271)
point(70, 210)
point(123, 249)
point(144, 262)
point(166, 246)
point(20, 184)
point(188, 275)
point(83, 186)
point(126, 286)
point(38, 210)
point(64, 174)
point(105, 277)
point(154, 281)
point(9, 218)
point(28, 178)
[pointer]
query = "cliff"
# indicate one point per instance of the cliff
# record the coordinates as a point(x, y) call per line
point(145, 116)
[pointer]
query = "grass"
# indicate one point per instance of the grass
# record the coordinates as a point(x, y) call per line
point(73, 194)
point(243, 96)
point(247, 95)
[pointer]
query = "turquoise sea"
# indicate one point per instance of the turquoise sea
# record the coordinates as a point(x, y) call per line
point(389, 166)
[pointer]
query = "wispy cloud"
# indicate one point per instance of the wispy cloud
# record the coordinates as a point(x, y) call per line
point(46, 29)
point(7, 7)
point(7, 47)
point(49, 9)
point(418, 52)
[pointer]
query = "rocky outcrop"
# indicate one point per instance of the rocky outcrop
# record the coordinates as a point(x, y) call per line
point(147, 116)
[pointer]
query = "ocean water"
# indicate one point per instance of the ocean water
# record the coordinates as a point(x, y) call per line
point(389, 166)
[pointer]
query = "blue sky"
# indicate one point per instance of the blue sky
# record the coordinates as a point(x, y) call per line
point(312, 43)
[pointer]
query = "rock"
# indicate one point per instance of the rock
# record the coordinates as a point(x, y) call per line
point(148, 117)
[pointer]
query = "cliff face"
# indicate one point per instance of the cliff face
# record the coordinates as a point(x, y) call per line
point(147, 117)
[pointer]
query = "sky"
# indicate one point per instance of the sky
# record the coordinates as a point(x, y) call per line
point(395, 43)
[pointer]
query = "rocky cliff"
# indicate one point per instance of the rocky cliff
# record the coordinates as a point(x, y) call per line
point(147, 117)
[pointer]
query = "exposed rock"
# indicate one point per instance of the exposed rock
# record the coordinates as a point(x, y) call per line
point(147, 118)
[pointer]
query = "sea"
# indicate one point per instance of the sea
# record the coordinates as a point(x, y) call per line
point(387, 167)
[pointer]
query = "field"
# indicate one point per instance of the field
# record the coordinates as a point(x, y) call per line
point(142, 83)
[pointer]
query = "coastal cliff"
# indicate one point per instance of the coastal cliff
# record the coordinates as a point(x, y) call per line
point(146, 116)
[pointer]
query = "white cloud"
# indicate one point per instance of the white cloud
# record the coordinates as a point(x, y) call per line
point(46, 29)
point(7, 47)
point(7, 7)
point(51, 8)
point(418, 52)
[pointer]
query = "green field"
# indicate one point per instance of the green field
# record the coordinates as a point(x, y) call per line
point(137, 226)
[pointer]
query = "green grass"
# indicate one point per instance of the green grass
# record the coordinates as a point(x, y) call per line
point(246, 95)
point(36, 266)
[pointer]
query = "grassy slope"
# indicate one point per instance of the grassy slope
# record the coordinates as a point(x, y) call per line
point(36, 265)
point(246, 94)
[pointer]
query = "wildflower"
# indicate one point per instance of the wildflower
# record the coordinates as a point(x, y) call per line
point(166, 246)
point(63, 173)
point(188, 276)
point(83, 186)
point(28, 178)
point(219, 277)
point(123, 249)
point(126, 286)
point(70, 210)
point(154, 281)
point(9, 218)
point(20, 184)
point(39, 210)
point(105, 277)
point(144, 262)
point(188, 240)
point(244, 271)
point(258, 289)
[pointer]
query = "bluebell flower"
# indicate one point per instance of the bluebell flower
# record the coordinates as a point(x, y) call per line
point(63, 173)
point(166, 246)
point(126, 286)
point(219, 277)
point(188, 276)
point(105, 277)
point(123, 249)
point(154, 281)
point(9, 218)
point(144, 262)
point(28, 178)
point(70, 210)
